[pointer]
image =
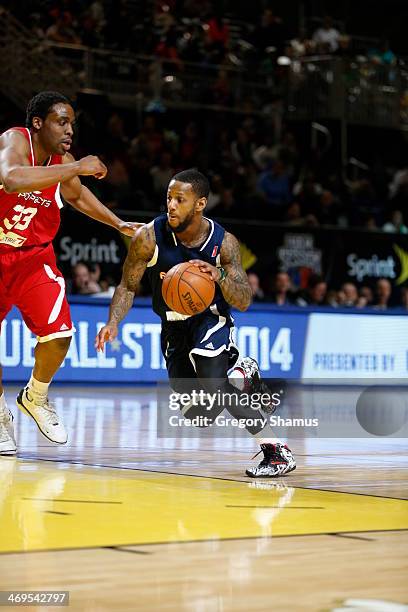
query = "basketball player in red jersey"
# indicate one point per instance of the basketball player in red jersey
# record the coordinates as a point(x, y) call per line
point(36, 169)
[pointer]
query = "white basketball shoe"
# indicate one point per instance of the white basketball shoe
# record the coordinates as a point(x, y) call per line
point(7, 440)
point(44, 414)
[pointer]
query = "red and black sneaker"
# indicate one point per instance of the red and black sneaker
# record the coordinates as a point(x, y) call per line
point(278, 461)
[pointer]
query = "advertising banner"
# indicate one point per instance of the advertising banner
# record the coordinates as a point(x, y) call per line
point(276, 340)
point(356, 346)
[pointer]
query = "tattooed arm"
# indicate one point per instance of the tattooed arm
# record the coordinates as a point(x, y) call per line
point(234, 284)
point(141, 251)
point(235, 288)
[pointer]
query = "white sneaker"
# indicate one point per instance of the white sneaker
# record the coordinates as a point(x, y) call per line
point(7, 440)
point(44, 415)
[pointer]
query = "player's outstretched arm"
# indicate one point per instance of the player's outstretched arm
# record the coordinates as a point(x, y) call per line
point(18, 175)
point(82, 199)
point(141, 251)
point(234, 281)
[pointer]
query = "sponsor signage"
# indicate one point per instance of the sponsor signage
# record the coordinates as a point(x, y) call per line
point(356, 346)
point(276, 341)
point(287, 344)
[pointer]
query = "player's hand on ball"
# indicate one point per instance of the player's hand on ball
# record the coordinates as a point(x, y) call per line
point(106, 334)
point(208, 268)
point(129, 228)
point(91, 165)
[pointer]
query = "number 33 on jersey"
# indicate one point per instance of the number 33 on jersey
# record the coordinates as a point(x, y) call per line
point(32, 218)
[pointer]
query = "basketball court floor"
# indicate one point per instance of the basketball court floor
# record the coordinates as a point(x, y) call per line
point(124, 520)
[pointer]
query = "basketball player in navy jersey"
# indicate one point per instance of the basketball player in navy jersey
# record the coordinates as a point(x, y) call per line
point(200, 346)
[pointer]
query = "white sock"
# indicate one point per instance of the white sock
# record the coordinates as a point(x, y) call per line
point(38, 389)
point(267, 436)
point(3, 401)
point(269, 441)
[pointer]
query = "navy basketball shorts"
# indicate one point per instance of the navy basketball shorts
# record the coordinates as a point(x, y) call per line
point(204, 335)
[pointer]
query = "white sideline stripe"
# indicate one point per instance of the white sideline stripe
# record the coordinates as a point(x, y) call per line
point(58, 196)
point(153, 260)
point(221, 322)
point(58, 302)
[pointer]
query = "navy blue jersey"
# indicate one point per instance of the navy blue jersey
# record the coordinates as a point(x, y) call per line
point(169, 251)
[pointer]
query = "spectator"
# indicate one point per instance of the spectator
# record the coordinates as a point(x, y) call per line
point(221, 90)
point(335, 298)
point(270, 33)
point(327, 212)
point(274, 185)
point(399, 183)
point(149, 142)
point(302, 45)
point(396, 224)
point(365, 297)
point(167, 50)
point(257, 291)
point(97, 13)
point(308, 193)
point(281, 293)
point(242, 149)
point(327, 37)
point(404, 297)
point(62, 30)
point(370, 224)
point(190, 145)
point(293, 214)
point(218, 32)
point(116, 140)
point(161, 174)
point(315, 293)
point(264, 154)
point(226, 206)
point(95, 273)
point(82, 283)
point(383, 294)
point(116, 190)
point(350, 293)
point(36, 26)
point(383, 55)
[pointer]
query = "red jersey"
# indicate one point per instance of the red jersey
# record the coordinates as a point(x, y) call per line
point(32, 218)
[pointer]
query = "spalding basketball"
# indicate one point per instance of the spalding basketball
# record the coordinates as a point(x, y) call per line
point(187, 290)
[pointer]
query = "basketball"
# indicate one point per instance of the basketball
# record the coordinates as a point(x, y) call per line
point(187, 290)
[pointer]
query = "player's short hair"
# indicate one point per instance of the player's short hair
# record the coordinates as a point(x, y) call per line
point(42, 103)
point(197, 180)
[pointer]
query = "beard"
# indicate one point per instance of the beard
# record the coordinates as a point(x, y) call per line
point(183, 225)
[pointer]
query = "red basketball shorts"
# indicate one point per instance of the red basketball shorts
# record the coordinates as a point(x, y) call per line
point(30, 280)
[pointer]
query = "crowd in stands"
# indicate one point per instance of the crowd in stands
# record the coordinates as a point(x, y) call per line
point(253, 165)
point(317, 293)
point(255, 162)
point(89, 280)
point(201, 31)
